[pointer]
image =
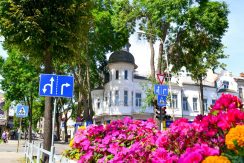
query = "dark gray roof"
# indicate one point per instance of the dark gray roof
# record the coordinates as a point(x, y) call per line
point(122, 56)
point(140, 77)
point(195, 84)
point(99, 88)
point(226, 90)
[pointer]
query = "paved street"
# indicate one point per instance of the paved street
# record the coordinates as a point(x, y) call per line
point(8, 151)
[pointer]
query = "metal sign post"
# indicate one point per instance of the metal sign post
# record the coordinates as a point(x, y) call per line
point(19, 135)
point(170, 89)
point(162, 92)
point(21, 112)
point(53, 125)
point(56, 86)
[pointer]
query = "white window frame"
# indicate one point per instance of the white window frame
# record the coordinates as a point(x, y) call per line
point(98, 104)
point(174, 103)
point(194, 104)
point(110, 98)
point(117, 74)
point(213, 101)
point(185, 103)
point(125, 98)
point(138, 100)
point(205, 103)
point(226, 84)
point(116, 99)
point(126, 74)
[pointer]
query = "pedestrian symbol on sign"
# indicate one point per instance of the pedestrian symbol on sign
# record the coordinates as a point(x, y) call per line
point(22, 111)
point(162, 100)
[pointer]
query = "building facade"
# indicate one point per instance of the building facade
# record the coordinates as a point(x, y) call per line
point(124, 93)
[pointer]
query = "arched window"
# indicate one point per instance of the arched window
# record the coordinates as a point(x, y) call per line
point(126, 75)
point(117, 74)
point(98, 103)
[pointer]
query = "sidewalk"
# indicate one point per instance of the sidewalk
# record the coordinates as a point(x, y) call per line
point(12, 157)
point(15, 142)
point(8, 152)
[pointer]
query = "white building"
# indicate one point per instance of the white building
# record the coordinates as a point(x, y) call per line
point(123, 94)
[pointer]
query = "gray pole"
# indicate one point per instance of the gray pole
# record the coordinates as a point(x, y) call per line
point(54, 112)
point(19, 136)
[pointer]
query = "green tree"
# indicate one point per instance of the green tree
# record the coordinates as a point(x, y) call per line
point(101, 38)
point(189, 31)
point(46, 31)
point(198, 47)
point(20, 82)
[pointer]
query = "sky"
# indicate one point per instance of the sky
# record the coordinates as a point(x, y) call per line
point(233, 41)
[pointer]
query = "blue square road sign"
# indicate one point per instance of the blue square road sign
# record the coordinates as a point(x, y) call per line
point(56, 85)
point(161, 89)
point(22, 111)
point(162, 100)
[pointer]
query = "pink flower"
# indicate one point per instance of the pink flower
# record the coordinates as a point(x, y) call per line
point(211, 132)
point(162, 140)
point(163, 156)
point(86, 157)
point(85, 144)
point(193, 157)
point(113, 148)
point(223, 124)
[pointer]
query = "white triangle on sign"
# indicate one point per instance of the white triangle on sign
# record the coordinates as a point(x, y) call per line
point(160, 78)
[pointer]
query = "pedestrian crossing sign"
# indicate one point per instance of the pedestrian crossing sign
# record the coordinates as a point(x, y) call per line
point(22, 111)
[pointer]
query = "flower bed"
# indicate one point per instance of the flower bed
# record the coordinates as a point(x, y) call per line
point(217, 136)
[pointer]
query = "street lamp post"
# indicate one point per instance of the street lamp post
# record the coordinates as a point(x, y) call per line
point(167, 64)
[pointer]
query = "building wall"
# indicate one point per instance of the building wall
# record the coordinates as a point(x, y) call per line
point(181, 86)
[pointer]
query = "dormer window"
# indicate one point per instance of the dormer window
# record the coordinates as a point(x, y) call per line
point(98, 103)
point(225, 84)
point(126, 74)
point(116, 98)
point(117, 74)
point(110, 76)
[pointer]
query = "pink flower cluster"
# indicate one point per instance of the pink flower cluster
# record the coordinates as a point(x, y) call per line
point(121, 140)
point(209, 131)
point(226, 102)
point(134, 141)
point(197, 153)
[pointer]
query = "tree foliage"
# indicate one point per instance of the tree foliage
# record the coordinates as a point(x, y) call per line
point(46, 31)
point(189, 31)
point(90, 63)
point(20, 83)
point(35, 26)
point(20, 78)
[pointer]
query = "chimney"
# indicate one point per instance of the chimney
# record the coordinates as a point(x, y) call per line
point(127, 47)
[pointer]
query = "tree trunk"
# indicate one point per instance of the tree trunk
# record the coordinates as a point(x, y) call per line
point(65, 128)
point(79, 79)
point(89, 101)
point(161, 46)
point(30, 118)
point(152, 58)
point(79, 106)
point(58, 123)
point(160, 56)
point(201, 97)
point(48, 110)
